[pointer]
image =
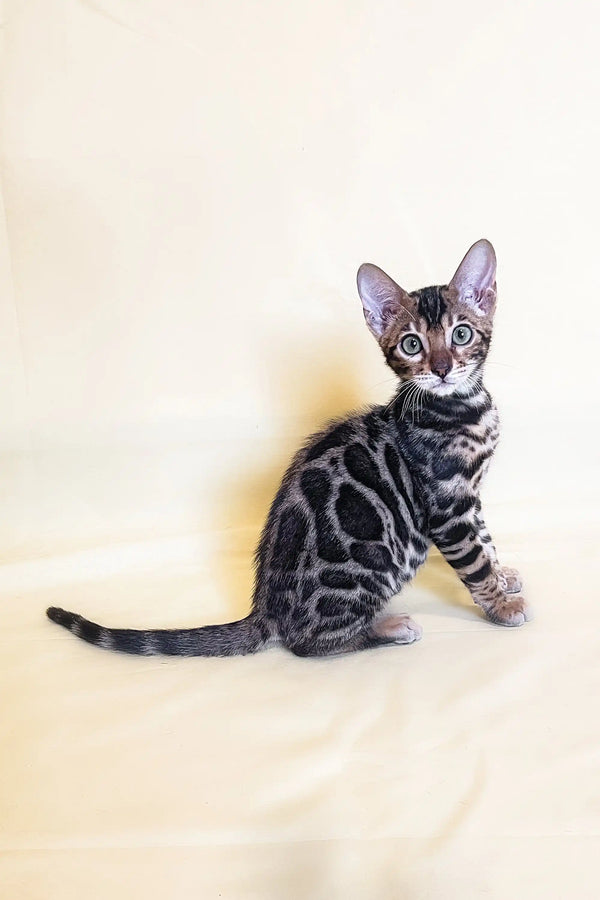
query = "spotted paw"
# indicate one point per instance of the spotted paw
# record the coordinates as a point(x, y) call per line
point(511, 612)
point(510, 580)
point(399, 629)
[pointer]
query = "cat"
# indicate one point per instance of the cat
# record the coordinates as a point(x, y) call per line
point(363, 500)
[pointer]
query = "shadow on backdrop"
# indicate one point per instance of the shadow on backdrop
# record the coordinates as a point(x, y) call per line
point(323, 391)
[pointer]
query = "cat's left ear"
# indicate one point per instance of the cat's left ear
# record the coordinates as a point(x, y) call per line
point(475, 278)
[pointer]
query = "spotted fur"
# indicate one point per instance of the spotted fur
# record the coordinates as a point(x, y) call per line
point(363, 501)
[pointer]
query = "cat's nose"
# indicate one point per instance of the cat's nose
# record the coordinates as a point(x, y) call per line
point(441, 368)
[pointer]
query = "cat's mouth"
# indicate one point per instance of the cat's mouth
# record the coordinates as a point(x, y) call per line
point(444, 387)
point(448, 385)
point(454, 382)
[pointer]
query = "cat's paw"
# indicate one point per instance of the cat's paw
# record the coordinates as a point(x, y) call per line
point(510, 580)
point(512, 612)
point(399, 629)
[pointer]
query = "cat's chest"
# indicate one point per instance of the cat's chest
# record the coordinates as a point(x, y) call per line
point(474, 442)
point(455, 460)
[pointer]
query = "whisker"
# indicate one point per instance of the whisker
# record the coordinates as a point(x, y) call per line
point(407, 406)
point(385, 381)
point(407, 394)
point(397, 396)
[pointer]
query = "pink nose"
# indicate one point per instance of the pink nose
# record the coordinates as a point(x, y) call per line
point(441, 368)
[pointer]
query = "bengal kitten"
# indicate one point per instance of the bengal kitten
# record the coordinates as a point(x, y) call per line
point(363, 501)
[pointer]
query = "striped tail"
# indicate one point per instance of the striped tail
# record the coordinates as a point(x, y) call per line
point(232, 639)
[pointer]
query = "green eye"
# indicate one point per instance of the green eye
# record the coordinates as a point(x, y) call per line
point(411, 345)
point(462, 334)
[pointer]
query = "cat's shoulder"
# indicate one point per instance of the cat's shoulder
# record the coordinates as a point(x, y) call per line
point(367, 427)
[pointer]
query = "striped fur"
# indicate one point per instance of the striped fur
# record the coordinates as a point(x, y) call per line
point(363, 501)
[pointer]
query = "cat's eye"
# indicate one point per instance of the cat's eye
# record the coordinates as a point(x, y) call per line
point(462, 334)
point(411, 345)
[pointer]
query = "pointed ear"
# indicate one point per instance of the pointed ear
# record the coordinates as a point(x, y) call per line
point(475, 278)
point(382, 299)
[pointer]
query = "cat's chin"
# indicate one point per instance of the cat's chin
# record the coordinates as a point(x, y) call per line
point(445, 388)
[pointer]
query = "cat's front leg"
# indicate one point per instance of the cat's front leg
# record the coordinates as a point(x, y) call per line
point(482, 531)
point(509, 578)
point(457, 537)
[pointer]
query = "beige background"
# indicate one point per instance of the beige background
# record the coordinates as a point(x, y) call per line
point(188, 189)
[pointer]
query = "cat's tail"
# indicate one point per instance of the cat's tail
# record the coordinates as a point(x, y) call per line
point(232, 639)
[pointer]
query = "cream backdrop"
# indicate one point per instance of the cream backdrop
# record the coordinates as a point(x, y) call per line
point(188, 189)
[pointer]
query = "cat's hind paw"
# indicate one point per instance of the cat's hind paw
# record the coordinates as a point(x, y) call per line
point(397, 629)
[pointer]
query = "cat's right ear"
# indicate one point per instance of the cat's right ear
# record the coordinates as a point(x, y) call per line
point(382, 299)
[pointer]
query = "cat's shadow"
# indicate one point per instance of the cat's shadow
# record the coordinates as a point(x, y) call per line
point(244, 501)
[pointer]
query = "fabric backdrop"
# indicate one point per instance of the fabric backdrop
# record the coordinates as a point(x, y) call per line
point(187, 191)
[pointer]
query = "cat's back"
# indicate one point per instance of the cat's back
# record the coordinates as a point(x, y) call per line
point(366, 434)
point(357, 457)
point(358, 453)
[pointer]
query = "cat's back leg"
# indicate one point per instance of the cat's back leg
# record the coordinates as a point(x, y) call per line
point(350, 635)
point(342, 622)
point(342, 538)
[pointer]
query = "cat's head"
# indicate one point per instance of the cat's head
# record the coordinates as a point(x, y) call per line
point(437, 337)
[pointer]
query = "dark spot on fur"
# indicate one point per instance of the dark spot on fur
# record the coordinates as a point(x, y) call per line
point(458, 509)
point(374, 431)
point(281, 580)
point(361, 466)
point(419, 453)
point(372, 556)
point(467, 559)
point(446, 467)
point(360, 608)
point(454, 535)
point(392, 461)
point(463, 506)
point(364, 470)
point(357, 515)
point(332, 606)
point(300, 615)
point(337, 578)
point(278, 604)
point(337, 437)
point(291, 534)
point(329, 546)
point(307, 588)
point(480, 574)
point(371, 584)
point(316, 487)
